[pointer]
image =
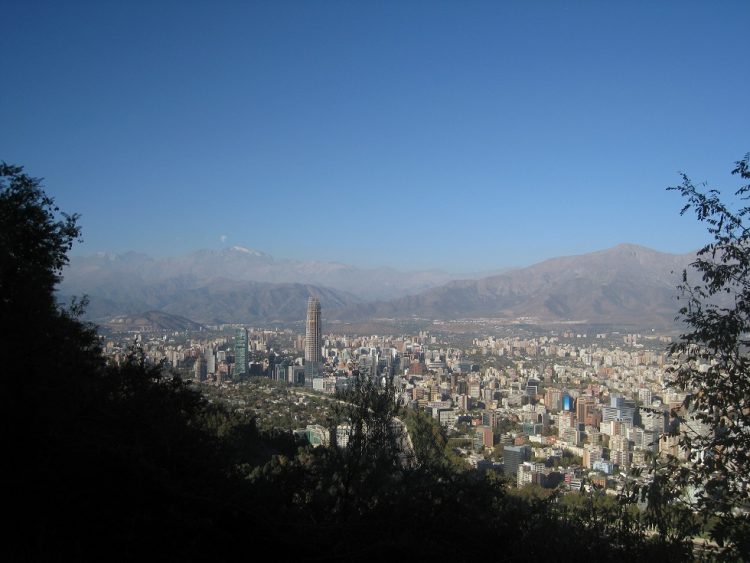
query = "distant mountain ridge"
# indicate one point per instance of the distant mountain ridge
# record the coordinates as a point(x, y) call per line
point(99, 272)
point(627, 284)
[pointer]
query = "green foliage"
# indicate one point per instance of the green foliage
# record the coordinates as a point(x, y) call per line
point(34, 241)
point(712, 362)
point(506, 425)
point(534, 493)
point(666, 511)
point(602, 516)
point(432, 446)
point(567, 459)
point(428, 437)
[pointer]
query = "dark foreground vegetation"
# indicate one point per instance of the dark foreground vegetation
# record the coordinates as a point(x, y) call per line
point(128, 462)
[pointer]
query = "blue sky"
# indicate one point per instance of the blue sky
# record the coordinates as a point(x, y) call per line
point(463, 136)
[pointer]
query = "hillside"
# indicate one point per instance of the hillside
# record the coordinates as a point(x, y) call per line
point(627, 284)
point(151, 320)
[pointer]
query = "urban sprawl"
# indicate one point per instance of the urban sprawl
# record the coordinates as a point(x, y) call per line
point(555, 408)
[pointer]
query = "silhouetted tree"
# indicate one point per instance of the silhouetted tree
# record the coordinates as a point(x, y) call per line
point(105, 462)
point(712, 362)
point(34, 242)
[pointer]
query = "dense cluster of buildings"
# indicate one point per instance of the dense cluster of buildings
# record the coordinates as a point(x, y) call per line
point(601, 400)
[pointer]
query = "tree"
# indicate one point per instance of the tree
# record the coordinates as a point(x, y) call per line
point(712, 364)
point(34, 242)
point(105, 461)
point(40, 344)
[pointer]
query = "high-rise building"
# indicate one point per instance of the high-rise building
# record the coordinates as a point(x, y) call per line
point(513, 457)
point(586, 411)
point(568, 402)
point(240, 353)
point(553, 399)
point(620, 409)
point(313, 342)
point(295, 375)
point(210, 361)
point(199, 368)
point(655, 419)
point(592, 454)
point(483, 438)
point(313, 336)
point(645, 397)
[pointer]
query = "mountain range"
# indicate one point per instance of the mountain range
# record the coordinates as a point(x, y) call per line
point(238, 263)
point(627, 284)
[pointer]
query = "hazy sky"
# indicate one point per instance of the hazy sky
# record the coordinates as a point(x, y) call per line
point(455, 135)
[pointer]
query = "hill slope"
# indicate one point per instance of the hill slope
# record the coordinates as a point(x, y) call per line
point(151, 320)
point(626, 284)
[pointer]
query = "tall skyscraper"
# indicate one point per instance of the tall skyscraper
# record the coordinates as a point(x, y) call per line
point(240, 354)
point(313, 342)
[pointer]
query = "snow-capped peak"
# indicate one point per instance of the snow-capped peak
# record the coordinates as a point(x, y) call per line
point(247, 250)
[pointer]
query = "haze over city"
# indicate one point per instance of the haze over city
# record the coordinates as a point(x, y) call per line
point(464, 137)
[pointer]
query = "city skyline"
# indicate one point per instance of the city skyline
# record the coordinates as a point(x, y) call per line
point(408, 135)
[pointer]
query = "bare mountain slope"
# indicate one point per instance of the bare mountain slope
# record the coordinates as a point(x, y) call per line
point(626, 284)
point(214, 301)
